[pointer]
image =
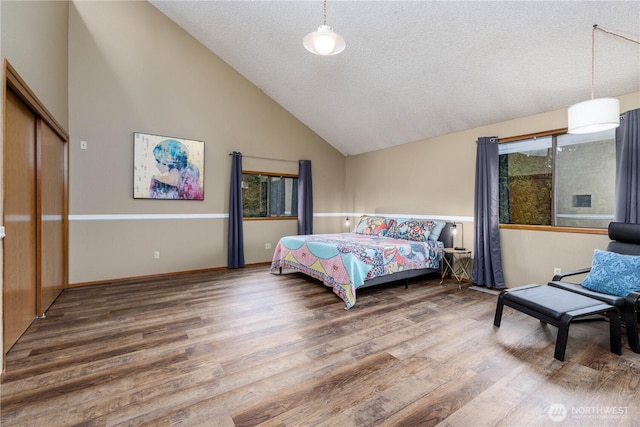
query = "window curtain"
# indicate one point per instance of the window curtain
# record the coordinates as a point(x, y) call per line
point(627, 168)
point(487, 263)
point(305, 198)
point(235, 257)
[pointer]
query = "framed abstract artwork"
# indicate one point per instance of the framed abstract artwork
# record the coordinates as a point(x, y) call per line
point(167, 168)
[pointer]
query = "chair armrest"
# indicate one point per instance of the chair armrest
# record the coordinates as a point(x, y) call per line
point(570, 273)
point(633, 298)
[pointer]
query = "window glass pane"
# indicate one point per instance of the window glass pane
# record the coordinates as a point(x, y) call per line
point(525, 173)
point(276, 196)
point(265, 196)
point(563, 180)
point(254, 195)
point(284, 196)
point(585, 179)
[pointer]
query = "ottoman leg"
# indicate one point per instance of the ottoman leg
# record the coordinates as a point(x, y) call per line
point(563, 335)
point(498, 316)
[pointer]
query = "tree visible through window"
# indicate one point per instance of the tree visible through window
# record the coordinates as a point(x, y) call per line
point(562, 180)
point(269, 196)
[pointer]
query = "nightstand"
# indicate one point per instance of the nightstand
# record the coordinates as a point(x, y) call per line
point(458, 266)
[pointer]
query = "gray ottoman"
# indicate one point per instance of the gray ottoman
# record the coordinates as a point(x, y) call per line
point(559, 308)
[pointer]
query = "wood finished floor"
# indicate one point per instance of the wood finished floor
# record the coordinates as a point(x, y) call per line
point(246, 348)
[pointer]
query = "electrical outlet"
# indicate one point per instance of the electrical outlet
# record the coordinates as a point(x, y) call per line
point(156, 255)
point(557, 270)
point(83, 145)
point(267, 245)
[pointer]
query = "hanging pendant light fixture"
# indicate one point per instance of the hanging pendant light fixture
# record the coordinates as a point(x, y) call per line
point(598, 114)
point(324, 41)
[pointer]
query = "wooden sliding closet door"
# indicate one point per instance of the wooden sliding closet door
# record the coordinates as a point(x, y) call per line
point(35, 208)
point(19, 285)
point(52, 215)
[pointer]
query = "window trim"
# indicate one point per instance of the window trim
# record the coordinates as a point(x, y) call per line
point(533, 135)
point(277, 175)
point(552, 228)
point(270, 218)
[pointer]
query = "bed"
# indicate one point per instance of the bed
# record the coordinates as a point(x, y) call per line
point(379, 250)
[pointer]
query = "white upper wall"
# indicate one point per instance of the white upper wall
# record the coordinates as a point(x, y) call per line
point(35, 41)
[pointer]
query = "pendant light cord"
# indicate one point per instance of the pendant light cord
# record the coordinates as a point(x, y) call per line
point(595, 27)
point(593, 50)
point(324, 13)
point(593, 58)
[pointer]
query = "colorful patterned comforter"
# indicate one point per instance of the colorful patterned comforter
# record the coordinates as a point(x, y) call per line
point(344, 261)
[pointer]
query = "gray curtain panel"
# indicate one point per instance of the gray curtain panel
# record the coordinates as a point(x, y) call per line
point(628, 168)
point(487, 262)
point(305, 198)
point(235, 257)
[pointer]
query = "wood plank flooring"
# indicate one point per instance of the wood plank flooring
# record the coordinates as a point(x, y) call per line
point(246, 348)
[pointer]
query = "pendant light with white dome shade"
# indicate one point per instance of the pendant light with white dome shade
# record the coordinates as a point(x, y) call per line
point(325, 41)
point(596, 114)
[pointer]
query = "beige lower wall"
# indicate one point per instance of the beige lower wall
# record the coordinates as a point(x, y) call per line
point(435, 177)
point(125, 248)
point(184, 244)
point(531, 256)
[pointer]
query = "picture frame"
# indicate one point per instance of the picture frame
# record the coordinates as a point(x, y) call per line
point(167, 168)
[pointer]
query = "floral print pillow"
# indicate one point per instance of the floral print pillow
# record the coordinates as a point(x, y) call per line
point(414, 230)
point(374, 225)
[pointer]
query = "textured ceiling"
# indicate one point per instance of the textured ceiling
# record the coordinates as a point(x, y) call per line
point(419, 69)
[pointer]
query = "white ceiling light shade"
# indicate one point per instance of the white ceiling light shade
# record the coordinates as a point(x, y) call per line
point(598, 114)
point(594, 115)
point(325, 41)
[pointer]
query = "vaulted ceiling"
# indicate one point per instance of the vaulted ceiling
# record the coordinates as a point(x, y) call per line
point(419, 69)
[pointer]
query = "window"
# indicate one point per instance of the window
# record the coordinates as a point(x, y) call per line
point(560, 180)
point(267, 195)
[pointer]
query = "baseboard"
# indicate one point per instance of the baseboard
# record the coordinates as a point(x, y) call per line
point(485, 290)
point(123, 280)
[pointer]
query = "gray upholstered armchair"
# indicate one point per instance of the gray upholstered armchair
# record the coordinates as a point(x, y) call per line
point(625, 240)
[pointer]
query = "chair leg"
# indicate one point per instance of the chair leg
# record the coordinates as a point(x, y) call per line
point(498, 316)
point(615, 339)
point(629, 314)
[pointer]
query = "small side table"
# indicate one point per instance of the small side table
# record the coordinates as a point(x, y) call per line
point(458, 266)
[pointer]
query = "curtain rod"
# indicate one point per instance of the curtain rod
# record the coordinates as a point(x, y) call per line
point(267, 158)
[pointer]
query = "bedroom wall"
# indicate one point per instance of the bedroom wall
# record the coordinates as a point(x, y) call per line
point(33, 38)
point(123, 77)
point(131, 69)
point(441, 172)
